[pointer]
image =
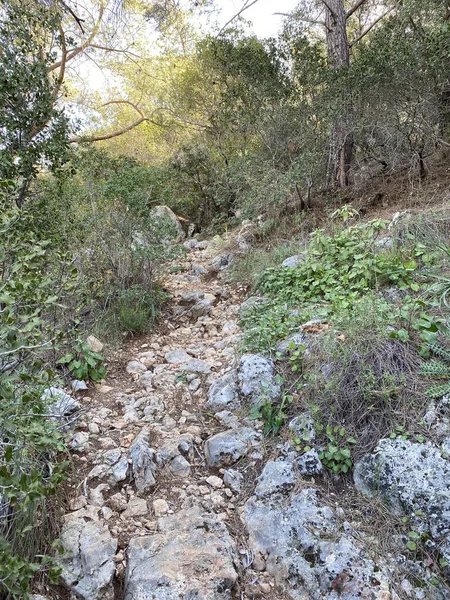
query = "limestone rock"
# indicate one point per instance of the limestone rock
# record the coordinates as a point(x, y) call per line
point(142, 465)
point(292, 343)
point(306, 550)
point(166, 215)
point(135, 367)
point(60, 404)
point(414, 479)
point(256, 378)
point(302, 427)
point(177, 356)
point(192, 556)
point(293, 261)
point(233, 479)
point(197, 366)
point(94, 344)
point(88, 567)
point(309, 463)
point(277, 477)
point(223, 393)
point(227, 447)
point(180, 466)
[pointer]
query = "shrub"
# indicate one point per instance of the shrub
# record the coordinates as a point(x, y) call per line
point(33, 284)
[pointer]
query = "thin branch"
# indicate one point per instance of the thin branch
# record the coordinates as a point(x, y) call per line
point(84, 45)
point(311, 21)
point(119, 132)
point(20, 348)
point(76, 18)
point(354, 8)
point(238, 14)
point(370, 27)
point(332, 13)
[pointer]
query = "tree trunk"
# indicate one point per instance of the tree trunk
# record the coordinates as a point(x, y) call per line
point(338, 50)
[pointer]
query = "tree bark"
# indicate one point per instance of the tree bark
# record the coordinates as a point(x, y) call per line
point(338, 51)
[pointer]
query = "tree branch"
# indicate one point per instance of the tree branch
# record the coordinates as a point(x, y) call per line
point(238, 14)
point(84, 45)
point(119, 132)
point(354, 8)
point(307, 20)
point(370, 27)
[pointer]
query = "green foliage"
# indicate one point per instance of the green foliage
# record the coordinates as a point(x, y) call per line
point(339, 269)
point(336, 455)
point(264, 325)
point(82, 363)
point(33, 128)
point(437, 369)
point(30, 465)
point(272, 413)
point(137, 308)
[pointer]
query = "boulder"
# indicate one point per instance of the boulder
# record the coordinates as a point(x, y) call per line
point(293, 261)
point(191, 556)
point(223, 393)
point(256, 378)
point(60, 404)
point(87, 565)
point(167, 216)
point(307, 551)
point(414, 480)
point(95, 345)
point(228, 447)
point(142, 465)
point(277, 477)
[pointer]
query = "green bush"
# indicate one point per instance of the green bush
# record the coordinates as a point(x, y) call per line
point(34, 281)
point(340, 268)
point(138, 308)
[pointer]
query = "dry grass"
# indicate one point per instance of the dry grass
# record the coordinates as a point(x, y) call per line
point(365, 383)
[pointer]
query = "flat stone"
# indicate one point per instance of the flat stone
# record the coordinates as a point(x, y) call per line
point(135, 367)
point(214, 482)
point(223, 393)
point(228, 447)
point(192, 556)
point(306, 549)
point(256, 378)
point(197, 366)
point(160, 507)
point(277, 477)
point(177, 356)
point(88, 567)
point(136, 507)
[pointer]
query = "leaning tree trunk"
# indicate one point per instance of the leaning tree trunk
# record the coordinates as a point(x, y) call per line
point(341, 139)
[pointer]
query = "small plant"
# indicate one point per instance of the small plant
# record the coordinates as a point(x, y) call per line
point(437, 368)
point(82, 363)
point(271, 413)
point(336, 456)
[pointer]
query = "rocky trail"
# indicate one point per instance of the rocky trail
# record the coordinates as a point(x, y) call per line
point(176, 494)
